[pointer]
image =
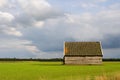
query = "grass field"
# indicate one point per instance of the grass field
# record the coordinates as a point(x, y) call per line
point(57, 71)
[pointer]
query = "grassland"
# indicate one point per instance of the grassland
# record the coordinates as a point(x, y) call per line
point(57, 71)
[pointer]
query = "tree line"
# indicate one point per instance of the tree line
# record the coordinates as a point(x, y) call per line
point(30, 59)
point(52, 59)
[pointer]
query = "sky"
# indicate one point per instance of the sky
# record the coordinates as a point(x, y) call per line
point(39, 28)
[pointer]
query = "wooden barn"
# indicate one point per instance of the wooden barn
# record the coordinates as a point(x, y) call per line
point(82, 53)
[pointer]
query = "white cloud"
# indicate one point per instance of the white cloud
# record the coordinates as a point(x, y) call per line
point(88, 5)
point(12, 31)
point(35, 6)
point(77, 27)
point(6, 20)
point(86, 26)
point(6, 17)
point(32, 49)
point(115, 6)
point(82, 18)
point(100, 0)
point(39, 9)
point(38, 24)
point(98, 25)
point(13, 43)
point(3, 3)
point(18, 44)
point(108, 22)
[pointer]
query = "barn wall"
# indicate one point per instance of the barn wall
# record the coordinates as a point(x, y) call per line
point(83, 60)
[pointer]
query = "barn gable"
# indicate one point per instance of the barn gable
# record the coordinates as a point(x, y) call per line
point(87, 52)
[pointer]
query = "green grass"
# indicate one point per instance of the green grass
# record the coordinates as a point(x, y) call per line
point(57, 71)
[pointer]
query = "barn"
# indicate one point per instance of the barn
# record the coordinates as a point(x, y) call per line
point(82, 53)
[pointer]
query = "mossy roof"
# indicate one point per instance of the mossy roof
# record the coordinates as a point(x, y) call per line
point(83, 48)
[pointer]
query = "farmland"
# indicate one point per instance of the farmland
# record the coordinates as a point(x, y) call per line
point(33, 70)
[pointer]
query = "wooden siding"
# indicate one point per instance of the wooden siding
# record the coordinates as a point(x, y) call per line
point(83, 60)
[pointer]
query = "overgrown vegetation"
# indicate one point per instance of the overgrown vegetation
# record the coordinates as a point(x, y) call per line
point(32, 70)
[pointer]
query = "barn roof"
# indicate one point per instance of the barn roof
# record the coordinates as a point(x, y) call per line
point(82, 49)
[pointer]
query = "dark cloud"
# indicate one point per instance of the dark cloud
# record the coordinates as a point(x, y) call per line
point(111, 53)
point(111, 41)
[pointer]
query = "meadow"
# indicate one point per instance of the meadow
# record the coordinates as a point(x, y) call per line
point(33, 70)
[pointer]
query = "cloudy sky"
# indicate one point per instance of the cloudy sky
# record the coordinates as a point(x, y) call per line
point(38, 28)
